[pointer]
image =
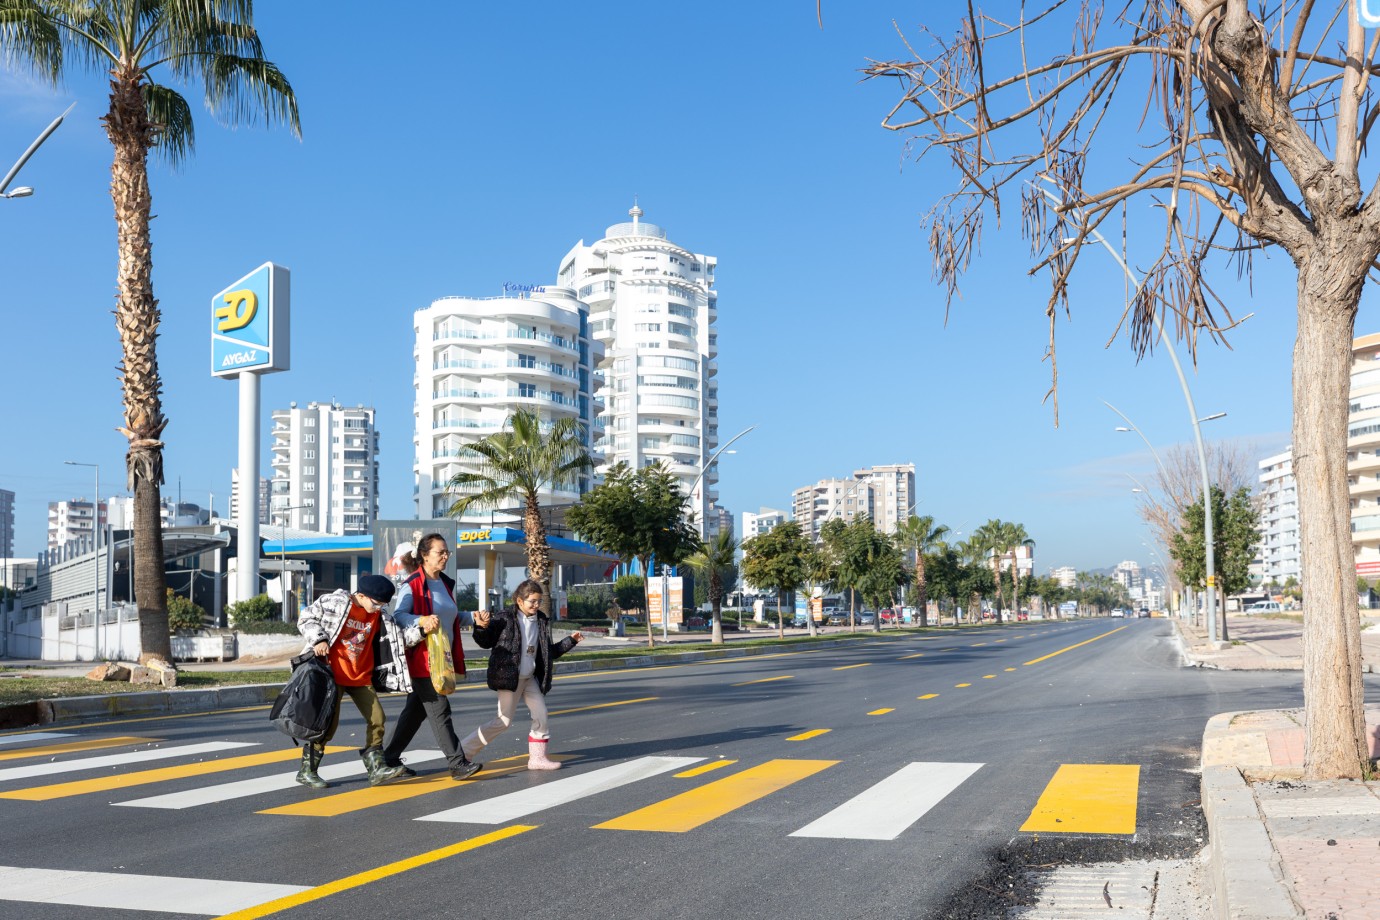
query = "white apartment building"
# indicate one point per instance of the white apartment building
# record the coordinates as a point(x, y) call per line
point(73, 520)
point(1363, 454)
point(264, 493)
point(172, 513)
point(652, 305)
point(1066, 575)
point(762, 521)
point(1279, 550)
point(6, 524)
point(886, 494)
point(893, 493)
point(831, 498)
point(325, 469)
point(1127, 574)
point(479, 359)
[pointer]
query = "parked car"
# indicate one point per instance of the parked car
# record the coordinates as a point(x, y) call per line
point(867, 618)
point(838, 619)
point(887, 615)
point(1264, 607)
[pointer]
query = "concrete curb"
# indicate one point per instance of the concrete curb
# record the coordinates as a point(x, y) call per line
point(1244, 870)
point(172, 702)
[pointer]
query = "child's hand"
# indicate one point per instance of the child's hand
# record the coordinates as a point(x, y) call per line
point(481, 618)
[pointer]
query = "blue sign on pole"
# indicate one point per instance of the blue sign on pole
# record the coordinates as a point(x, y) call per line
point(249, 324)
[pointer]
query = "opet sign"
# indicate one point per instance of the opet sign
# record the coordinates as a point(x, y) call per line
point(249, 324)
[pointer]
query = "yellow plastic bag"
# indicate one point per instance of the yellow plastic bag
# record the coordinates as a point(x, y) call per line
point(442, 668)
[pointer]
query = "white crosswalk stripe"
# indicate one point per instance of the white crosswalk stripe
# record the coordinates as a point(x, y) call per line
point(885, 810)
point(119, 760)
point(168, 894)
point(224, 792)
point(33, 736)
point(515, 805)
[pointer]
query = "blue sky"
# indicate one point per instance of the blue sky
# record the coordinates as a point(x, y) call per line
point(475, 144)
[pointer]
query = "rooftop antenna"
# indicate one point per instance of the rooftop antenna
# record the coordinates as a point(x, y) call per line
point(635, 212)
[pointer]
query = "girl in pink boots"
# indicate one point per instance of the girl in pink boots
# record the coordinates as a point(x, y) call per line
point(521, 660)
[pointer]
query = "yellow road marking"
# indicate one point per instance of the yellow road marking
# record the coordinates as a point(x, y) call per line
point(696, 771)
point(1088, 799)
point(806, 736)
point(373, 875)
point(342, 803)
point(847, 666)
point(161, 774)
point(763, 680)
point(916, 655)
point(1009, 669)
point(962, 685)
point(988, 676)
point(927, 696)
point(72, 746)
point(689, 810)
point(880, 712)
point(978, 644)
point(1001, 640)
point(1072, 647)
point(645, 699)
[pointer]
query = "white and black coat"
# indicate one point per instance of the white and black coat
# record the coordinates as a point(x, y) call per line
point(503, 636)
point(323, 621)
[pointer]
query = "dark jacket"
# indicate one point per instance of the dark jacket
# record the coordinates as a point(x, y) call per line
point(503, 636)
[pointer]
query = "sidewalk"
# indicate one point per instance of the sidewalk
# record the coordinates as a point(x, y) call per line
point(1279, 847)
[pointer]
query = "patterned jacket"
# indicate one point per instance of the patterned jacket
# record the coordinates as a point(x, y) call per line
point(504, 636)
point(325, 618)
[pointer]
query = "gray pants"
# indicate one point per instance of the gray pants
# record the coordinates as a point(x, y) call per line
point(424, 703)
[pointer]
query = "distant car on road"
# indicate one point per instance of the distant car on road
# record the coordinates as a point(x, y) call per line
point(1143, 613)
point(1265, 607)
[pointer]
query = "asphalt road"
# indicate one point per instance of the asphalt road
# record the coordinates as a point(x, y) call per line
point(930, 777)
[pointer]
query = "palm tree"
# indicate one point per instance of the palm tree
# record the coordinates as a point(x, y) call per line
point(127, 41)
point(714, 557)
point(920, 535)
point(515, 465)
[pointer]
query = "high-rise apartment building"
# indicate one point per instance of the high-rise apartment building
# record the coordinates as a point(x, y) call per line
point(764, 520)
point(886, 494)
point(1066, 575)
point(73, 520)
point(1127, 574)
point(1278, 552)
point(479, 359)
point(6, 524)
point(264, 493)
point(172, 513)
point(325, 469)
point(1363, 454)
point(653, 306)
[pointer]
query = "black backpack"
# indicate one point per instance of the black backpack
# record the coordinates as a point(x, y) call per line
point(306, 705)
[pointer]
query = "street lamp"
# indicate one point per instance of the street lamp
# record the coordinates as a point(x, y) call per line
point(282, 553)
point(690, 494)
point(1211, 592)
point(24, 191)
point(95, 546)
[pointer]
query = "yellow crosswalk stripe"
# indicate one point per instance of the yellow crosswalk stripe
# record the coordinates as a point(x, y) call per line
point(1088, 799)
point(689, 810)
point(763, 680)
point(161, 774)
point(374, 875)
point(705, 768)
point(806, 736)
point(73, 746)
point(342, 803)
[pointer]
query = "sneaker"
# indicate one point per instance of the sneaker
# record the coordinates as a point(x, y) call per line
point(407, 772)
point(465, 770)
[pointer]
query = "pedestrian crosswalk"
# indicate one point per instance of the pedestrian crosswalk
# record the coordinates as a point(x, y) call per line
point(1077, 798)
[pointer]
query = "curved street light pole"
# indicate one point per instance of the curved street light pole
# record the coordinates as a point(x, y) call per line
point(1210, 595)
point(24, 191)
point(705, 469)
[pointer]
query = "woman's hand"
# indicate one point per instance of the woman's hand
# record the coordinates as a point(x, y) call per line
point(577, 636)
point(429, 624)
point(481, 618)
point(321, 649)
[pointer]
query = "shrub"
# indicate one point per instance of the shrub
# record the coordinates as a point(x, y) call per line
point(589, 606)
point(258, 609)
point(183, 614)
point(267, 627)
point(628, 592)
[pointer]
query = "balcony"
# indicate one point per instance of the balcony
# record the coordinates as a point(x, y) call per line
point(539, 369)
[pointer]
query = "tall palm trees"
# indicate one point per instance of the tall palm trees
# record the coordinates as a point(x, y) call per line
point(515, 465)
point(715, 557)
point(214, 43)
point(1000, 540)
point(920, 535)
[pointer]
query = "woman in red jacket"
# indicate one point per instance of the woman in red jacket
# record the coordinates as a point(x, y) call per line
point(426, 604)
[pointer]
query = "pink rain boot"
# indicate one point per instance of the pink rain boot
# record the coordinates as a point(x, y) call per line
point(536, 755)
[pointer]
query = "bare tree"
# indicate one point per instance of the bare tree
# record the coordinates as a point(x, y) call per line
point(1251, 135)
